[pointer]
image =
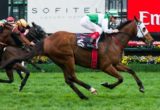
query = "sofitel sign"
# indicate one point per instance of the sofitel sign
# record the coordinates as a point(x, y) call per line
point(62, 15)
point(148, 12)
point(59, 10)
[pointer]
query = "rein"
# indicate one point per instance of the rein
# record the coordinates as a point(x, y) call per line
point(3, 44)
point(9, 26)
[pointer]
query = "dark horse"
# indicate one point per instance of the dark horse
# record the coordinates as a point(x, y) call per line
point(62, 49)
point(9, 38)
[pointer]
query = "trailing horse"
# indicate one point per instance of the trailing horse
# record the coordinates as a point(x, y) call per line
point(8, 39)
point(61, 47)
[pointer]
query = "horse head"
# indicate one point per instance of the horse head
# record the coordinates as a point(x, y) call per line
point(6, 32)
point(136, 28)
point(36, 33)
point(142, 31)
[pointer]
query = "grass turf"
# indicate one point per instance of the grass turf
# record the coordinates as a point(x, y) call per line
point(45, 91)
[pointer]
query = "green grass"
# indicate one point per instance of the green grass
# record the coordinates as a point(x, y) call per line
point(45, 91)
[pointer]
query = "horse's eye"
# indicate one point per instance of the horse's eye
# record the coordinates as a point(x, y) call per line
point(144, 29)
point(139, 23)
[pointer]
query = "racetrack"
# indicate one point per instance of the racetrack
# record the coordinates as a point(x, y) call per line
point(45, 91)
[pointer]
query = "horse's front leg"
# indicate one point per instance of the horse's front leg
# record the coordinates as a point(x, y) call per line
point(121, 67)
point(19, 67)
point(9, 72)
point(113, 72)
point(20, 74)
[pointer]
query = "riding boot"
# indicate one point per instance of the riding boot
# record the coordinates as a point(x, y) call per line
point(93, 37)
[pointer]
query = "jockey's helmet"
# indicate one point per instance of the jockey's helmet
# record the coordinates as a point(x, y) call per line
point(10, 19)
point(113, 13)
point(22, 23)
point(108, 15)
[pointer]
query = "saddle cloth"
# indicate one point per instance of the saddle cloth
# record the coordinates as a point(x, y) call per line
point(83, 40)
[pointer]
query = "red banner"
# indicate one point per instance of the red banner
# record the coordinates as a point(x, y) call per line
point(148, 11)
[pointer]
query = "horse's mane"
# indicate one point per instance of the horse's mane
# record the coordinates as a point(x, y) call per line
point(8, 26)
point(15, 38)
point(114, 34)
point(123, 24)
point(36, 33)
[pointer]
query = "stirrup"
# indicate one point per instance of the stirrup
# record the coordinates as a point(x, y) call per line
point(92, 40)
point(90, 46)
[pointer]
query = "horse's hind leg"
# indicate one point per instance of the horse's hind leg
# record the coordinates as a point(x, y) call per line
point(37, 67)
point(86, 86)
point(75, 89)
point(113, 72)
point(70, 78)
point(69, 81)
point(19, 67)
point(81, 83)
point(121, 67)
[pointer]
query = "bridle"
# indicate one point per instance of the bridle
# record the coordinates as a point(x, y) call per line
point(11, 27)
point(3, 44)
point(119, 42)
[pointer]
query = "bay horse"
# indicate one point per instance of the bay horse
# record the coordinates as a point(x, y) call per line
point(62, 49)
point(9, 38)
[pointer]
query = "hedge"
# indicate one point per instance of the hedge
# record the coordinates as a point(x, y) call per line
point(52, 68)
point(136, 67)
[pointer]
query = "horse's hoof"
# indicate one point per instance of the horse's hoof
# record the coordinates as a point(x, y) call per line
point(104, 84)
point(84, 97)
point(107, 85)
point(93, 90)
point(43, 71)
point(141, 90)
point(20, 89)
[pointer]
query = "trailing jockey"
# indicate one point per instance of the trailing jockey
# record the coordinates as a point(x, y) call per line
point(21, 26)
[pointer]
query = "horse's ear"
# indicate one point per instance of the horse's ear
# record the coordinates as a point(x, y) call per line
point(33, 24)
point(136, 19)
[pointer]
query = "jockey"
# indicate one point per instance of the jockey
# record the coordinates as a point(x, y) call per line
point(21, 26)
point(10, 20)
point(2, 22)
point(97, 23)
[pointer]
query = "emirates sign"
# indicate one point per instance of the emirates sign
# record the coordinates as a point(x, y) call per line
point(148, 11)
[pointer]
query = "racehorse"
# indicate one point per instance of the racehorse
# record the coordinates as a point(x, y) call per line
point(7, 39)
point(62, 49)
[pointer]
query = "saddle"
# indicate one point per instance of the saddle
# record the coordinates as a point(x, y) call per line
point(84, 41)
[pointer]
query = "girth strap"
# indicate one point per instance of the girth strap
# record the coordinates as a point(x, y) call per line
point(94, 59)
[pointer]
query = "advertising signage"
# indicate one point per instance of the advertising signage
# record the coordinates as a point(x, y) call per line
point(148, 11)
point(62, 15)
